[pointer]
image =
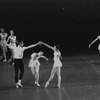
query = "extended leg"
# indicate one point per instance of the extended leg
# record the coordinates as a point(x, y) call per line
point(4, 54)
point(37, 75)
point(32, 70)
point(51, 77)
point(16, 72)
point(21, 66)
point(59, 77)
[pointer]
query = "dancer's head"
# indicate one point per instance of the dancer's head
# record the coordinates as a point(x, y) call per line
point(33, 55)
point(11, 32)
point(2, 30)
point(21, 43)
point(40, 53)
point(56, 47)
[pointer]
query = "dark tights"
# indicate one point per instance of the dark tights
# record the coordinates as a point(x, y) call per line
point(18, 65)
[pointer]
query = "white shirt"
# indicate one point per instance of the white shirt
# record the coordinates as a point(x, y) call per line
point(18, 51)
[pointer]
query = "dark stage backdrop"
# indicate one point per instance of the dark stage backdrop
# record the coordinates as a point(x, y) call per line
point(72, 24)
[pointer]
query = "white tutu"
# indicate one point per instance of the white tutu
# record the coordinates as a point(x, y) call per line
point(3, 43)
point(57, 63)
point(34, 63)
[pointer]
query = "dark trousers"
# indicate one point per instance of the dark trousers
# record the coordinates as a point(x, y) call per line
point(18, 65)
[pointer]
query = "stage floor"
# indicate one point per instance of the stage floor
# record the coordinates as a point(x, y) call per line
point(80, 80)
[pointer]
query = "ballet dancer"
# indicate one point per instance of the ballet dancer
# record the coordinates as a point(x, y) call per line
point(34, 65)
point(12, 40)
point(98, 38)
point(3, 44)
point(56, 66)
point(18, 60)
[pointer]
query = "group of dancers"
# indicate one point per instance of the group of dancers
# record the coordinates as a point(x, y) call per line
point(17, 49)
point(6, 39)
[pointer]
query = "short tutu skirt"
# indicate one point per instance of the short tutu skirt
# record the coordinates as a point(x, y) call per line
point(57, 63)
point(34, 63)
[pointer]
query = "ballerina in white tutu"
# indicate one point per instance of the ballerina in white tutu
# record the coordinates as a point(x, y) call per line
point(12, 42)
point(3, 42)
point(34, 65)
point(56, 66)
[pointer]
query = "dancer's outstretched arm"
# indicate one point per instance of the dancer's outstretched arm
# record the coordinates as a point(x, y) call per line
point(44, 57)
point(47, 45)
point(31, 46)
point(41, 56)
point(93, 41)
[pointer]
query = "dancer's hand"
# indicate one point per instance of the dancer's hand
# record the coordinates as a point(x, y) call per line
point(47, 59)
point(39, 42)
point(89, 46)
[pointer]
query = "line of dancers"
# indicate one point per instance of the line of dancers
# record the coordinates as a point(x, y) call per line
point(7, 39)
point(34, 64)
point(17, 51)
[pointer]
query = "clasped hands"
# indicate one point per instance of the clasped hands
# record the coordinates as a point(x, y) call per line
point(40, 42)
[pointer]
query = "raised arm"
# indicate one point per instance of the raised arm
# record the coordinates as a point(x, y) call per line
point(93, 41)
point(47, 45)
point(43, 57)
point(31, 46)
point(8, 39)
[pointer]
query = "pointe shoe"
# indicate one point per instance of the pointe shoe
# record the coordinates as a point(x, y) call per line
point(58, 86)
point(47, 83)
point(9, 61)
point(37, 83)
point(19, 84)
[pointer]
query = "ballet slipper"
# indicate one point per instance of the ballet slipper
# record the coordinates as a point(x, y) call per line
point(47, 83)
point(37, 83)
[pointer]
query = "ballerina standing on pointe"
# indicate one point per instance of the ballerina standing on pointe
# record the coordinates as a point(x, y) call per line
point(12, 40)
point(3, 44)
point(56, 66)
point(34, 65)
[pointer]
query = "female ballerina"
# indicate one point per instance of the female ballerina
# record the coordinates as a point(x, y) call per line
point(57, 65)
point(34, 65)
point(3, 44)
point(12, 40)
point(98, 38)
